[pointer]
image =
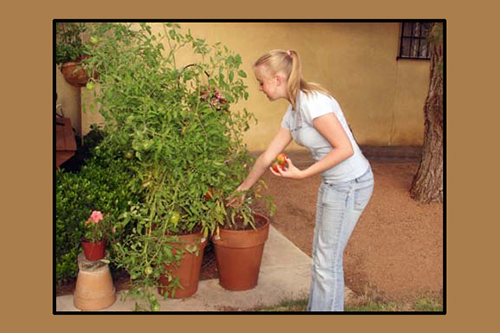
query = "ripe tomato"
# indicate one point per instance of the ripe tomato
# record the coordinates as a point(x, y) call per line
point(209, 194)
point(281, 159)
point(276, 165)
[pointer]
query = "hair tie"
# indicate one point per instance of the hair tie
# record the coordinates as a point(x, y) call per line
point(289, 53)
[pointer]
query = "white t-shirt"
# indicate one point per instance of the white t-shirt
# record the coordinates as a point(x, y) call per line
point(300, 124)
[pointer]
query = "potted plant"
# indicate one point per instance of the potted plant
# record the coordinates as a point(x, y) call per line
point(239, 243)
point(72, 53)
point(177, 127)
point(94, 241)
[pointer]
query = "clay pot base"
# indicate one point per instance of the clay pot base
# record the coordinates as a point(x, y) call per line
point(94, 286)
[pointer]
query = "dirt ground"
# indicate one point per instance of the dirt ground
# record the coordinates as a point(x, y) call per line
point(396, 250)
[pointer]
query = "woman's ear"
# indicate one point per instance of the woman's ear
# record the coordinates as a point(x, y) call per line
point(279, 79)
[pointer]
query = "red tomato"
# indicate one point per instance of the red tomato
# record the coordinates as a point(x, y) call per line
point(281, 159)
point(276, 165)
point(209, 194)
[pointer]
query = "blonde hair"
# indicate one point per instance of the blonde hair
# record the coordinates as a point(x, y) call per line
point(288, 62)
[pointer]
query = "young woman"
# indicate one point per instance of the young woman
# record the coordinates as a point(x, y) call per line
point(315, 120)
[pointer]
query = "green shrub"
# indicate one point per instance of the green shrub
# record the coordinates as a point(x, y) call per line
point(100, 185)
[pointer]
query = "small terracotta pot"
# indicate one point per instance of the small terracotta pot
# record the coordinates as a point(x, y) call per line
point(94, 251)
point(189, 269)
point(238, 254)
point(94, 288)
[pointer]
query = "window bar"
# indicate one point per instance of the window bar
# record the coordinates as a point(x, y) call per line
point(401, 39)
point(418, 49)
point(410, 51)
point(417, 55)
point(402, 47)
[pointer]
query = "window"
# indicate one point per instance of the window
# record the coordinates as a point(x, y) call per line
point(413, 44)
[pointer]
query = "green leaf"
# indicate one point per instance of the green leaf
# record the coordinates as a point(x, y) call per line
point(242, 73)
point(231, 76)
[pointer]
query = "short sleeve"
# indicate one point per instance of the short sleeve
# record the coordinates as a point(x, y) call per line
point(317, 105)
point(285, 123)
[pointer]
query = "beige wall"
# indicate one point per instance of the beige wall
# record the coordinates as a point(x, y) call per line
point(382, 97)
point(68, 99)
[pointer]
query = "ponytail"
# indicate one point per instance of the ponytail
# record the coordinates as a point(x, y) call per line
point(288, 62)
point(294, 78)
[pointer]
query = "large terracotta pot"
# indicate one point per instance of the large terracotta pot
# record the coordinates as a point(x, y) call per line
point(190, 266)
point(238, 254)
point(94, 251)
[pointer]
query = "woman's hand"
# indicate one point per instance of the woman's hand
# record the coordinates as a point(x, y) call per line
point(290, 172)
point(236, 198)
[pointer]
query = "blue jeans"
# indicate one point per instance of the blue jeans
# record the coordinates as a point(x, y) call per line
point(338, 209)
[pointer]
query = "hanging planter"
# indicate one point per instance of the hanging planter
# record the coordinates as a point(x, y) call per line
point(75, 74)
point(238, 254)
point(189, 269)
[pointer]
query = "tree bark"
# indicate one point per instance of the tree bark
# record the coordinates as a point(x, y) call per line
point(427, 184)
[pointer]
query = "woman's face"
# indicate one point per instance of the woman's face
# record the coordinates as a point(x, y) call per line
point(272, 85)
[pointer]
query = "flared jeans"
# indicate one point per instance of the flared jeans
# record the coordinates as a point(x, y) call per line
point(338, 210)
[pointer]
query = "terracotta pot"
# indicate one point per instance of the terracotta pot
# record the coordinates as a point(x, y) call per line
point(94, 288)
point(94, 251)
point(74, 74)
point(238, 254)
point(190, 266)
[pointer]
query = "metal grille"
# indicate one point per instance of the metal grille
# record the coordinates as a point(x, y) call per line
point(414, 43)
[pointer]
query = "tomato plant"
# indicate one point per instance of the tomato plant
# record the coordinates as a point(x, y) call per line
point(183, 125)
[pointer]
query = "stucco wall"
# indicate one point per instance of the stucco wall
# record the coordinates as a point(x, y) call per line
point(68, 100)
point(382, 97)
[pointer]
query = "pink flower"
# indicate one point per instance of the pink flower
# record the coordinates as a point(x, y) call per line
point(96, 216)
point(204, 95)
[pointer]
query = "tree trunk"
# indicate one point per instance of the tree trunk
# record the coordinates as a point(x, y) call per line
point(427, 184)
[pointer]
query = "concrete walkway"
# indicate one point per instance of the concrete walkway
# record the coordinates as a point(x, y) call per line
point(285, 274)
